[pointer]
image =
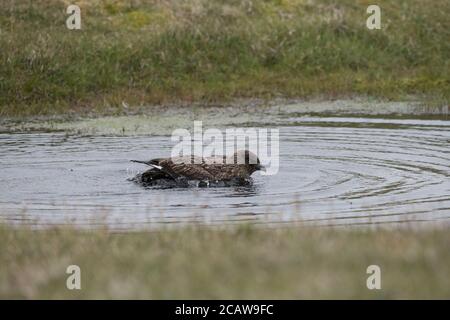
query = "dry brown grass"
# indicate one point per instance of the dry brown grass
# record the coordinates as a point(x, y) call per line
point(242, 262)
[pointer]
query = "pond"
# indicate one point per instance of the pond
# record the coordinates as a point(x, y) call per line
point(334, 170)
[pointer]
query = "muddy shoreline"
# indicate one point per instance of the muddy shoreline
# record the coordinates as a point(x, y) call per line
point(243, 112)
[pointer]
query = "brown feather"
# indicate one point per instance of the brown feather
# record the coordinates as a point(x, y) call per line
point(208, 169)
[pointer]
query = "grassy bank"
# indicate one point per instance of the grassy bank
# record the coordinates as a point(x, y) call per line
point(156, 52)
point(233, 263)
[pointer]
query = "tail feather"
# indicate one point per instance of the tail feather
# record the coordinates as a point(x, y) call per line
point(154, 163)
point(149, 163)
point(140, 161)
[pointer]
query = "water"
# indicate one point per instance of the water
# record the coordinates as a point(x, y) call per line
point(333, 171)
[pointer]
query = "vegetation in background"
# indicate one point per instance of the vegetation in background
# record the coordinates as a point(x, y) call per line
point(156, 52)
point(240, 263)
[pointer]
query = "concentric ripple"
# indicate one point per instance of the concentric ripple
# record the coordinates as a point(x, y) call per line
point(333, 171)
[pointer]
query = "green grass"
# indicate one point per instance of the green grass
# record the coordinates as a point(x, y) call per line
point(238, 262)
point(157, 52)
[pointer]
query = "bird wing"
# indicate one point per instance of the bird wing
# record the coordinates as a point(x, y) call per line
point(228, 172)
point(190, 171)
point(195, 168)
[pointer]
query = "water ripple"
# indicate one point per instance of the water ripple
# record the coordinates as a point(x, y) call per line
point(333, 171)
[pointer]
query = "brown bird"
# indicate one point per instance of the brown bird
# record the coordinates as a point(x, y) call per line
point(179, 171)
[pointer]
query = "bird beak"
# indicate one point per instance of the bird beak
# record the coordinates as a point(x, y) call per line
point(261, 167)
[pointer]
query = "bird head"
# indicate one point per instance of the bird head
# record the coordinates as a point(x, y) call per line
point(249, 159)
